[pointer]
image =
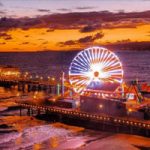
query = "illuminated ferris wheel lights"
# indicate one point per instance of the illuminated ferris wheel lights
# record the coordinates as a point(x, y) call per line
point(95, 64)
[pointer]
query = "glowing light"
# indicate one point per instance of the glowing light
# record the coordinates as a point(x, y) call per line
point(18, 94)
point(77, 103)
point(53, 99)
point(26, 73)
point(37, 76)
point(100, 106)
point(95, 64)
point(53, 79)
point(129, 110)
point(34, 96)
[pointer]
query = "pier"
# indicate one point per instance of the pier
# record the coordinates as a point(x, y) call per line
point(99, 120)
point(90, 120)
point(28, 85)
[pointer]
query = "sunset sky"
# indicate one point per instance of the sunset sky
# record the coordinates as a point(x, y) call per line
point(38, 25)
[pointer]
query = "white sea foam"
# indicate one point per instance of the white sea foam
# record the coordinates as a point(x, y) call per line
point(4, 138)
point(33, 135)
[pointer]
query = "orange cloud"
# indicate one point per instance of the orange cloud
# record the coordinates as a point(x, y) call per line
point(72, 30)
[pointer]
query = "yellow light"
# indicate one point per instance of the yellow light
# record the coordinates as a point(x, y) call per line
point(53, 99)
point(100, 106)
point(37, 76)
point(18, 94)
point(129, 110)
point(53, 79)
point(77, 103)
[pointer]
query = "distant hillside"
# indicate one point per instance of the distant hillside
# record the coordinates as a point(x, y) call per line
point(130, 46)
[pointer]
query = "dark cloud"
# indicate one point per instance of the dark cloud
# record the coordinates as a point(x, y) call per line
point(85, 21)
point(122, 45)
point(26, 36)
point(83, 8)
point(41, 39)
point(121, 10)
point(70, 42)
point(50, 30)
point(43, 10)
point(5, 36)
point(90, 28)
point(84, 40)
point(25, 43)
point(98, 36)
point(1, 4)
point(24, 23)
point(124, 41)
point(64, 9)
point(119, 24)
point(91, 38)
point(16, 49)
point(2, 12)
point(46, 42)
point(3, 43)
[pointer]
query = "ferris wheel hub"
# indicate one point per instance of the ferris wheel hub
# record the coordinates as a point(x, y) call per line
point(96, 74)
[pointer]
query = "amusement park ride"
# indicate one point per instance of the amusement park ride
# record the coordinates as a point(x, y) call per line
point(100, 70)
point(95, 68)
point(96, 72)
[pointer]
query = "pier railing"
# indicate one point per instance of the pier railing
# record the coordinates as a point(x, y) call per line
point(130, 123)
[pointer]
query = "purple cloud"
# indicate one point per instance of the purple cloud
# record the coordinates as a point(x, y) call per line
point(84, 22)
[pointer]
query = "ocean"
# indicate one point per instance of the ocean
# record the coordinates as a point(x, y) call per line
point(136, 64)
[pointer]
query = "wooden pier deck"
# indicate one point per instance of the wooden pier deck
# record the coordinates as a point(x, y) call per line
point(118, 124)
point(27, 85)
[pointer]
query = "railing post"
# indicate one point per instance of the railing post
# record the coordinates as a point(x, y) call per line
point(28, 112)
point(20, 110)
point(38, 112)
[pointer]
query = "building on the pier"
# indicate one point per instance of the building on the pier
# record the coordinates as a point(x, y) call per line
point(105, 103)
point(112, 103)
point(9, 72)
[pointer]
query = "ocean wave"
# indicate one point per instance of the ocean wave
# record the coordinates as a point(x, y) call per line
point(31, 136)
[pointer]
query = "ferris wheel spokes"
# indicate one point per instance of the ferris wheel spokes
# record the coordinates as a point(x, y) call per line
point(95, 64)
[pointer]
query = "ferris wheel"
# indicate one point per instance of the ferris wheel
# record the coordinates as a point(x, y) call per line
point(95, 66)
